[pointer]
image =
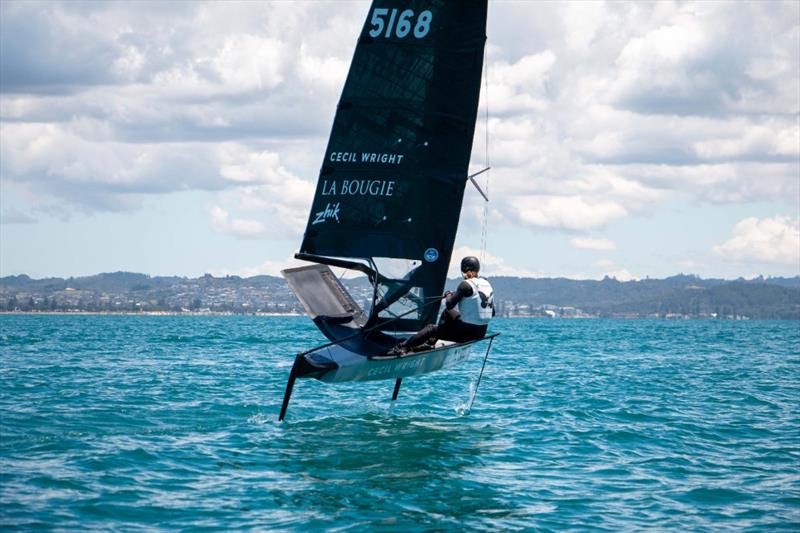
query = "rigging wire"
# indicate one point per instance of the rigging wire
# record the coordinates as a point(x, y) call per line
point(485, 224)
point(483, 367)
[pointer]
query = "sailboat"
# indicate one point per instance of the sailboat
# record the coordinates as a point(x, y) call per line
point(389, 193)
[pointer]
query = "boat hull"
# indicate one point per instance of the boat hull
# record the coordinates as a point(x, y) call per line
point(355, 367)
point(335, 364)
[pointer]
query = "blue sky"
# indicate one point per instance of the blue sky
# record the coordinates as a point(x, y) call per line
point(625, 139)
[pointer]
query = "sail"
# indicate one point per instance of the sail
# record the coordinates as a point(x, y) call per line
point(393, 176)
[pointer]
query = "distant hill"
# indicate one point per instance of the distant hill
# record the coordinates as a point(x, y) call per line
point(678, 296)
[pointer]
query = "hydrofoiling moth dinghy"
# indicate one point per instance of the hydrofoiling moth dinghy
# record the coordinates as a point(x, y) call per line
point(390, 190)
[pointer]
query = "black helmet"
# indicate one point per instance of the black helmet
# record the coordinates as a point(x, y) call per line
point(470, 263)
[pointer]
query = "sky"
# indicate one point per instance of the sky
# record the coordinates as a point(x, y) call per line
point(631, 140)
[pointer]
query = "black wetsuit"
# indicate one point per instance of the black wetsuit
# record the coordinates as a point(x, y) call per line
point(450, 326)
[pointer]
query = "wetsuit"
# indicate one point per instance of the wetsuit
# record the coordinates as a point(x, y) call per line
point(451, 327)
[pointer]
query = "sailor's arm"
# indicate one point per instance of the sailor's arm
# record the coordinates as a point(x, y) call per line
point(464, 290)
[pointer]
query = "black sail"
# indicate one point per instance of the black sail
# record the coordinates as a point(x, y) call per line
point(393, 176)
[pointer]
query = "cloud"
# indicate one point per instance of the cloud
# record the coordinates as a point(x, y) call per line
point(590, 243)
point(691, 60)
point(608, 268)
point(638, 105)
point(269, 194)
point(47, 50)
point(108, 102)
point(250, 62)
point(600, 112)
point(770, 140)
point(491, 265)
point(723, 183)
point(69, 46)
point(577, 92)
point(15, 216)
point(521, 86)
point(240, 227)
point(621, 274)
point(571, 212)
point(767, 240)
point(268, 268)
point(104, 174)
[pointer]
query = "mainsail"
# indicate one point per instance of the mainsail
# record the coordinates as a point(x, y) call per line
point(394, 172)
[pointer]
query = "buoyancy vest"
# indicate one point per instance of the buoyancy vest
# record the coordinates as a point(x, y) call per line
point(478, 308)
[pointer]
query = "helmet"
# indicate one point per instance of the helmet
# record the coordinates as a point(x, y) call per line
point(470, 263)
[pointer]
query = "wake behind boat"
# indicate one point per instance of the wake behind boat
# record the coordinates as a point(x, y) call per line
point(390, 190)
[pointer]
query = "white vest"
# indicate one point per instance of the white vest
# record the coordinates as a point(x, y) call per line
point(477, 309)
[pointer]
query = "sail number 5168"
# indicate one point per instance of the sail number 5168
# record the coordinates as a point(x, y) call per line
point(401, 25)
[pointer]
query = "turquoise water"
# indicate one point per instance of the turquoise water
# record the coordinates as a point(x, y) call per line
point(169, 423)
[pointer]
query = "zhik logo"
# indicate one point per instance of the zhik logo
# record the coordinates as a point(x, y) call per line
point(330, 211)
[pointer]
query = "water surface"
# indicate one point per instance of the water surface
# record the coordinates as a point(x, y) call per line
point(164, 423)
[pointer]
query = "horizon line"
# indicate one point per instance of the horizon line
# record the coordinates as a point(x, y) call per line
point(236, 276)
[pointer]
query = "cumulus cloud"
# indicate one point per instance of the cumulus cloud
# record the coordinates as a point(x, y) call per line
point(491, 265)
point(642, 104)
point(590, 243)
point(600, 112)
point(268, 268)
point(608, 268)
point(270, 193)
point(101, 174)
point(101, 104)
point(520, 86)
point(571, 212)
point(575, 96)
point(691, 60)
point(621, 274)
point(767, 240)
point(238, 226)
point(250, 62)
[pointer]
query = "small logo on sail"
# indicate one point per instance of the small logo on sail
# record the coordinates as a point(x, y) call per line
point(431, 255)
point(330, 211)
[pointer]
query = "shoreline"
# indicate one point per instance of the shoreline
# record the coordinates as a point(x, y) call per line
point(147, 313)
point(272, 314)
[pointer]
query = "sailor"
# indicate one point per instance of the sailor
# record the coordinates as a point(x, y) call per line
point(467, 311)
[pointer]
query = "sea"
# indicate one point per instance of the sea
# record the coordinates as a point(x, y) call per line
point(169, 423)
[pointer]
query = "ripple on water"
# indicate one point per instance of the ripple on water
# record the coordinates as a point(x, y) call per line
point(169, 422)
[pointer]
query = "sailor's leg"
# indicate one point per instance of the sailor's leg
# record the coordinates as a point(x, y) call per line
point(421, 336)
point(458, 331)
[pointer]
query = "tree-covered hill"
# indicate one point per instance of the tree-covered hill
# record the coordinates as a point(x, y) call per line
point(677, 296)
